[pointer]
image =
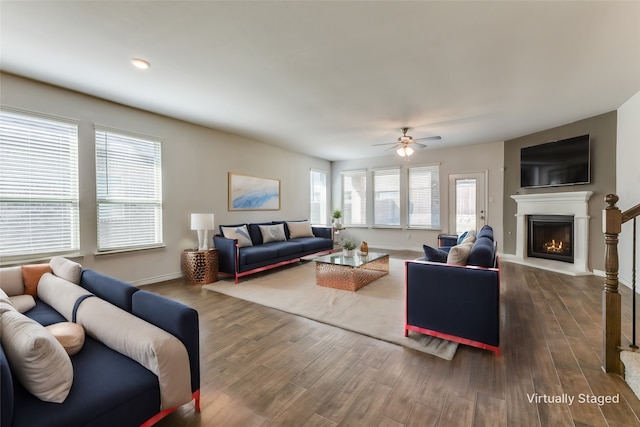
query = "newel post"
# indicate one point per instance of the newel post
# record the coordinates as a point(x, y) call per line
point(611, 301)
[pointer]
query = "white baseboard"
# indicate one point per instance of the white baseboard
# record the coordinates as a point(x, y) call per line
point(549, 265)
point(621, 281)
point(157, 279)
point(396, 248)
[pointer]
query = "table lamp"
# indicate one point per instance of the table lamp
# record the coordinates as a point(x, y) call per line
point(202, 223)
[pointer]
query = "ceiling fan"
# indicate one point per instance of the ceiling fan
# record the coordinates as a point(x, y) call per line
point(403, 145)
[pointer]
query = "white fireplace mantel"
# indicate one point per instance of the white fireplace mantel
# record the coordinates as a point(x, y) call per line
point(574, 204)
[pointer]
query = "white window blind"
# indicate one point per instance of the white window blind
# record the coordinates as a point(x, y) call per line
point(424, 197)
point(38, 185)
point(386, 193)
point(318, 208)
point(354, 197)
point(129, 191)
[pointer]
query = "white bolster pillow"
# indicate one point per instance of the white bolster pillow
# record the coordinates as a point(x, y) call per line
point(155, 349)
point(152, 347)
point(60, 294)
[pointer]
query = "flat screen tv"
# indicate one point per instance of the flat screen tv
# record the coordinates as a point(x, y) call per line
point(564, 162)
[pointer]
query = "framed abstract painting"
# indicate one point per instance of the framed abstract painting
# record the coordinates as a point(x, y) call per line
point(253, 193)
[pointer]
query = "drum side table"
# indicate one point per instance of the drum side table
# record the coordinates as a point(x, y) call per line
point(200, 267)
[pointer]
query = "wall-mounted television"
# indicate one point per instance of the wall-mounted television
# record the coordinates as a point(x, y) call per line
point(563, 162)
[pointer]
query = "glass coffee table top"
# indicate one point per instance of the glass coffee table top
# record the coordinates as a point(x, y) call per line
point(350, 273)
point(352, 261)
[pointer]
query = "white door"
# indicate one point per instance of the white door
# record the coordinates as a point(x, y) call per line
point(467, 205)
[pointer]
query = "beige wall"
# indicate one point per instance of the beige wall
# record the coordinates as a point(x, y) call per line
point(628, 180)
point(465, 159)
point(195, 162)
point(602, 130)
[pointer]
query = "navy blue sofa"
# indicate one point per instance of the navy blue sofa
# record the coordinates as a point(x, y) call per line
point(109, 389)
point(241, 261)
point(459, 303)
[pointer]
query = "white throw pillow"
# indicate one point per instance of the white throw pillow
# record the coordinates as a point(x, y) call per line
point(11, 280)
point(459, 254)
point(470, 237)
point(66, 269)
point(241, 233)
point(5, 303)
point(23, 303)
point(272, 233)
point(299, 229)
point(37, 359)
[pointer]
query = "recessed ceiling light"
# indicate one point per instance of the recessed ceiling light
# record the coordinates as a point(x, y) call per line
point(140, 63)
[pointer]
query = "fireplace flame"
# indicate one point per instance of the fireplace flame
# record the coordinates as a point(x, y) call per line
point(554, 246)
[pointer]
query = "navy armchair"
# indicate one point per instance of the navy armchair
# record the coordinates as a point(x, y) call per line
point(459, 303)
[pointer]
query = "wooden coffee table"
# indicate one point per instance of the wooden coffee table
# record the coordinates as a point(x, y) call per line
point(350, 273)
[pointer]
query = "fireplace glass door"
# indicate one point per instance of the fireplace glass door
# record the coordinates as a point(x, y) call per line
point(550, 237)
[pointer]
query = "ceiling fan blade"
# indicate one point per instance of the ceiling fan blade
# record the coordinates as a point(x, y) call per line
point(386, 143)
point(419, 145)
point(429, 138)
point(391, 148)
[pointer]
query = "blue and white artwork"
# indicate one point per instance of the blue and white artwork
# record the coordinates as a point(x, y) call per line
point(251, 193)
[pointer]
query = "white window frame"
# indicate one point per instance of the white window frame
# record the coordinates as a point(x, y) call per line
point(39, 195)
point(129, 216)
point(318, 197)
point(433, 210)
point(347, 220)
point(376, 184)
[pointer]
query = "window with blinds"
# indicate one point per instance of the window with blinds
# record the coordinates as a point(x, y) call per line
point(386, 194)
point(318, 187)
point(424, 197)
point(354, 197)
point(39, 211)
point(129, 191)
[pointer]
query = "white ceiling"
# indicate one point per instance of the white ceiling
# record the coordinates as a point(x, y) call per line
point(332, 78)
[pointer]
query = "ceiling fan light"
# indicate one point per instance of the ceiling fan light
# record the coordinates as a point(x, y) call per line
point(404, 151)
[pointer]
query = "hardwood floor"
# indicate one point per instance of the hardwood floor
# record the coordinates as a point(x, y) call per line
point(264, 367)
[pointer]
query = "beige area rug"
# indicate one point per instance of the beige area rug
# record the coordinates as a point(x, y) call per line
point(376, 310)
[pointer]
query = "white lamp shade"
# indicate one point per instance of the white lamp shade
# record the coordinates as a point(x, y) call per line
point(202, 221)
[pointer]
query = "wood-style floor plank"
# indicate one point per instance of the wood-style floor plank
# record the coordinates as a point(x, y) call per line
point(264, 367)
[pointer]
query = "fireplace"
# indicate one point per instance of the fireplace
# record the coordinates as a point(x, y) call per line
point(550, 237)
point(572, 204)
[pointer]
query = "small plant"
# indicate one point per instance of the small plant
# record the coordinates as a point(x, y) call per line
point(337, 214)
point(348, 245)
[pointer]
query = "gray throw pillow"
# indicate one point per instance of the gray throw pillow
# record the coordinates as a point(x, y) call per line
point(241, 233)
point(272, 233)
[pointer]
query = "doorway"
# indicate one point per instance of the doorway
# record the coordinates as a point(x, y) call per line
point(467, 204)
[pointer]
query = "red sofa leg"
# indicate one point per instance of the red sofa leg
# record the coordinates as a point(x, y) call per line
point(160, 415)
point(196, 396)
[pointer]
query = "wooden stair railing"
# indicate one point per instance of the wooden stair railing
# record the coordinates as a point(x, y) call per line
point(613, 219)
